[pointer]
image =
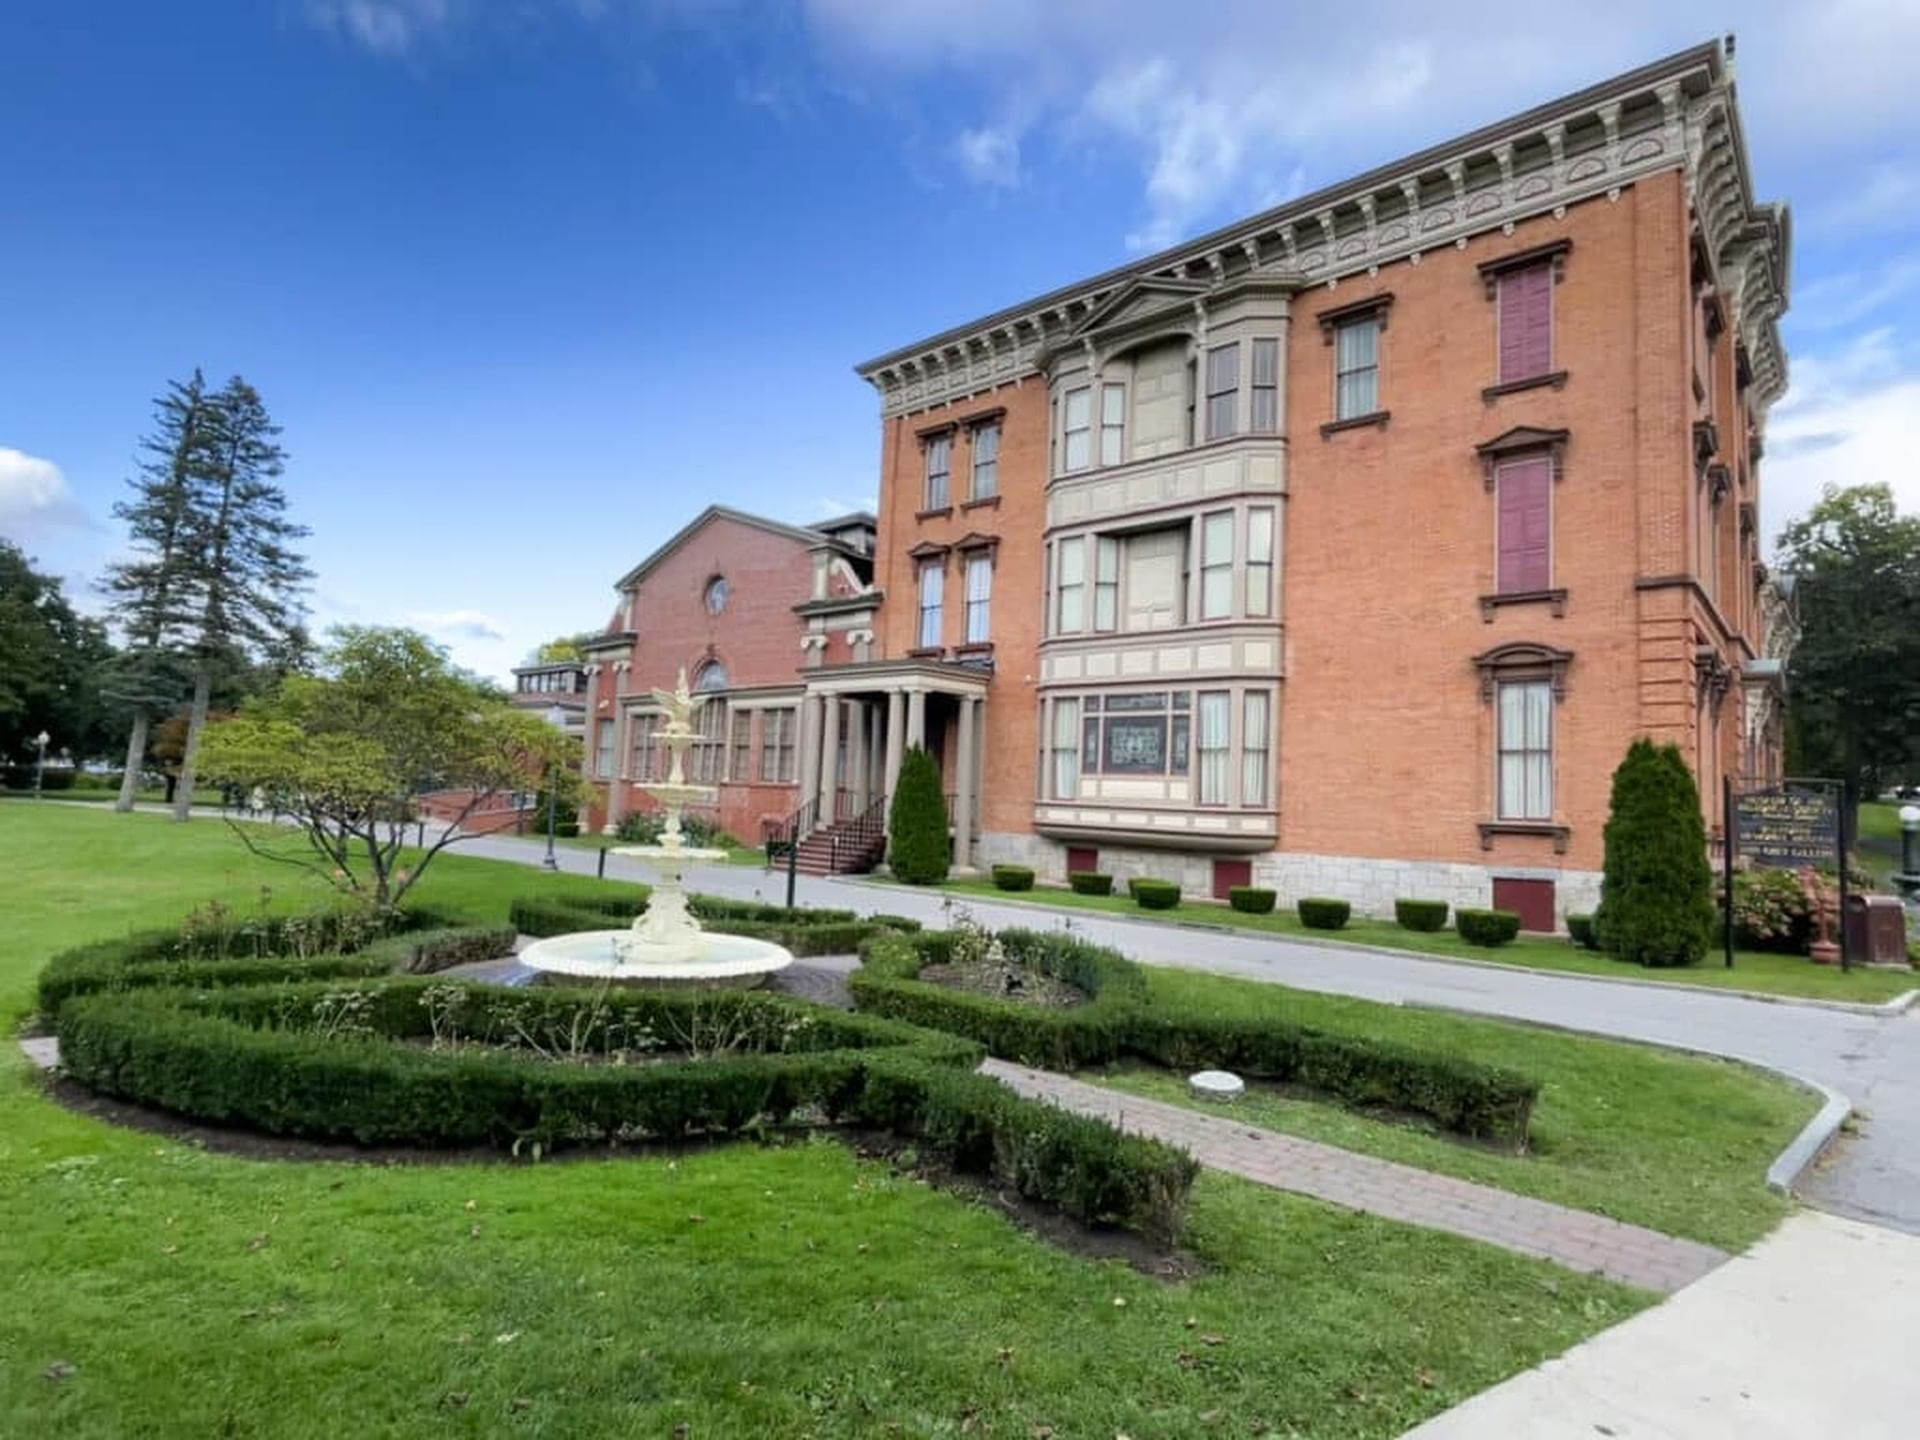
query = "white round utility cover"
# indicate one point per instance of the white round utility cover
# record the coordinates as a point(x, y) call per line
point(1217, 1085)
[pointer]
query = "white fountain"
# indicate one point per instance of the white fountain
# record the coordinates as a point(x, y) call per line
point(666, 945)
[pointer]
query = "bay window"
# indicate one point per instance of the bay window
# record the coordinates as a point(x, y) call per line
point(1266, 387)
point(1213, 747)
point(1066, 749)
point(1223, 390)
point(1079, 428)
point(1216, 565)
point(1113, 423)
point(1260, 562)
point(1106, 583)
point(1071, 575)
point(1254, 745)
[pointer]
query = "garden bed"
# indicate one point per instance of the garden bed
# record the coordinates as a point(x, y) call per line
point(1004, 980)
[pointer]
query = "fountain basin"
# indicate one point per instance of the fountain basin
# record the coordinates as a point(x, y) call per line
point(618, 957)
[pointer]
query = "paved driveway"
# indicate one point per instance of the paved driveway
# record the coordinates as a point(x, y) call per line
point(1874, 1061)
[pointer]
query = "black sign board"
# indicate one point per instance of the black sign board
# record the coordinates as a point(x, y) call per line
point(1787, 828)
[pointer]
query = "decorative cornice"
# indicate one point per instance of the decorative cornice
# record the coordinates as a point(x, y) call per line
point(1676, 113)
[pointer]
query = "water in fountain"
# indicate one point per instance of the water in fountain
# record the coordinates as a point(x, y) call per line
point(666, 945)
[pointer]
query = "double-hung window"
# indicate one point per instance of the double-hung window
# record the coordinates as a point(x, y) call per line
point(646, 750)
point(1213, 747)
point(939, 453)
point(1356, 368)
point(1078, 429)
point(1253, 747)
point(1526, 750)
point(979, 596)
point(1072, 586)
point(1066, 749)
point(1265, 419)
point(776, 746)
point(1223, 390)
point(603, 750)
point(1106, 583)
point(1260, 561)
point(1216, 565)
point(739, 764)
point(1113, 423)
point(986, 462)
point(933, 585)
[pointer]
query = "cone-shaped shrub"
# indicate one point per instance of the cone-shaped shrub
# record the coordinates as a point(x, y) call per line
point(918, 847)
point(1656, 887)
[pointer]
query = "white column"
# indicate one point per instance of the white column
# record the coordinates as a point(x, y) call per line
point(590, 736)
point(963, 789)
point(622, 745)
point(917, 718)
point(896, 739)
point(859, 771)
point(809, 742)
point(830, 760)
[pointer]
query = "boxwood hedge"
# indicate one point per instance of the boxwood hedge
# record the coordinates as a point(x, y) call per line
point(1427, 915)
point(1118, 1022)
point(1251, 899)
point(340, 1059)
point(1486, 927)
point(1151, 894)
point(1318, 913)
point(1090, 882)
point(1012, 877)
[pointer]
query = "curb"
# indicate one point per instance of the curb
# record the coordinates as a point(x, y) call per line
point(1898, 1005)
point(1788, 1166)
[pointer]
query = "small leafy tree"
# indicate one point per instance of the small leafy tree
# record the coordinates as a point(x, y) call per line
point(1656, 888)
point(918, 847)
point(345, 751)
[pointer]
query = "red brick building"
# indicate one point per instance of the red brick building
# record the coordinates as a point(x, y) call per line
point(1346, 548)
point(738, 602)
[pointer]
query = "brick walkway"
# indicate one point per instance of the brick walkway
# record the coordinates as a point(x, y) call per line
point(1574, 1238)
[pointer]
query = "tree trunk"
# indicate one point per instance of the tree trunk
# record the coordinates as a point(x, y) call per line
point(196, 719)
point(136, 762)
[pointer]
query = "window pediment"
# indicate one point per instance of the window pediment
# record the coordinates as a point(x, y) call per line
point(927, 550)
point(1522, 660)
point(1521, 441)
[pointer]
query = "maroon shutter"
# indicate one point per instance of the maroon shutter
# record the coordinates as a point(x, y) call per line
point(1526, 323)
point(1526, 526)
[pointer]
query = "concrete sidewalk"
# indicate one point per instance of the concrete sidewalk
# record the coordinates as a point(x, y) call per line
point(1808, 1336)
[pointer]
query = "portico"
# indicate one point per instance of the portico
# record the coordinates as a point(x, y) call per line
point(857, 722)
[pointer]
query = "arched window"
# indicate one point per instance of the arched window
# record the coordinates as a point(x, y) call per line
point(711, 676)
point(716, 595)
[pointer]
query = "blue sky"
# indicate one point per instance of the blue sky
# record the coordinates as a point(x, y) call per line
point(527, 282)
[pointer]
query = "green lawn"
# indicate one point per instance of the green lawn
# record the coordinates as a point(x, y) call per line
point(788, 1290)
point(1674, 1142)
point(1752, 970)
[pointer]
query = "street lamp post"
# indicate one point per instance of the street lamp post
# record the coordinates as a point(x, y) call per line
point(557, 718)
point(1909, 877)
point(40, 761)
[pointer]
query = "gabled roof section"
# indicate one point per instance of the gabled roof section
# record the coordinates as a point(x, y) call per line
point(705, 518)
point(1128, 297)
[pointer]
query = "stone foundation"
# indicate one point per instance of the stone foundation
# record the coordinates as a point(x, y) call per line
point(1370, 884)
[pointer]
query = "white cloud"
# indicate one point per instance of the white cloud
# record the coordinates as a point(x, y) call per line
point(386, 27)
point(453, 625)
point(34, 497)
point(990, 155)
point(1852, 416)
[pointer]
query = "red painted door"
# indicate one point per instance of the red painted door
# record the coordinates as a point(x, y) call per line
point(1531, 900)
point(1229, 873)
point(1082, 858)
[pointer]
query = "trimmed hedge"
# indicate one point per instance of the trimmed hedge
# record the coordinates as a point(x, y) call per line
point(1486, 927)
point(919, 849)
point(888, 983)
point(266, 1057)
point(1580, 931)
point(1251, 899)
point(1424, 915)
point(1151, 894)
point(1012, 877)
point(1656, 885)
point(1090, 882)
point(1457, 1092)
point(1318, 913)
point(248, 955)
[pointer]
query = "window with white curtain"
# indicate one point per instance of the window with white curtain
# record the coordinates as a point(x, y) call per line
point(1526, 750)
point(1066, 749)
point(603, 750)
point(1079, 428)
point(1113, 423)
point(1212, 748)
point(1072, 573)
point(1266, 387)
point(1106, 583)
point(1356, 368)
point(1216, 565)
point(986, 462)
point(933, 585)
point(1260, 561)
point(1254, 745)
point(1223, 390)
point(979, 596)
point(939, 467)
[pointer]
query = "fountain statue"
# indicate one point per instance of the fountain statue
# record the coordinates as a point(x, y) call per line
point(666, 945)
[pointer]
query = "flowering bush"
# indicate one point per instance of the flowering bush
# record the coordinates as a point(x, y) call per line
point(1771, 910)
